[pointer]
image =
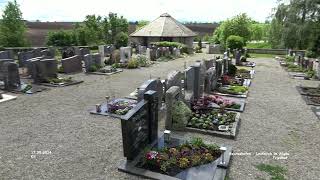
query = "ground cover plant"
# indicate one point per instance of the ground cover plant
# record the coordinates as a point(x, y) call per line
point(235, 90)
point(211, 120)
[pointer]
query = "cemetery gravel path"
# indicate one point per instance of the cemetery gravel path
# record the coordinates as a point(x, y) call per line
point(85, 146)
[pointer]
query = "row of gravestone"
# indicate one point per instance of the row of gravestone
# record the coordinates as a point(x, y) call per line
point(154, 52)
point(24, 56)
point(140, 125)
point(308, 64)
point(198, 79)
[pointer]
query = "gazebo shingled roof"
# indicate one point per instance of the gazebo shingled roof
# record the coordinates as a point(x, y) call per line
point(164, 26)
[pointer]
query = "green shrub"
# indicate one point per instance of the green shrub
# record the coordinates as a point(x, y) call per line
point(61, 38)
point(181, 113)
point(60, 70)
point(121, 40)
point(142, 60)
point(232, 70)
point(116, 65)
point(289, 59)
point(235, 42)
point(198, 49)
point(311, 54)
point(183, 47)
point(133, 64)
point(93, 68)
point(310, 74)
point(243, 59)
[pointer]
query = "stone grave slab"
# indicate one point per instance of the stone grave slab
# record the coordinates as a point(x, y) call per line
point(106, 71)
point(62, 84)
point(6, 97)
point(298, 75)
point(316, 111)
point(308, 91)
point(105, 110)
point(24, 88)
point(312, 100)
point(211, 171)
point(244, 95)
point(231, 134)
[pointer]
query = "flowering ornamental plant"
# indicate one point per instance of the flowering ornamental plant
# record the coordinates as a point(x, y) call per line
point(207, 102)
point(174, 160)
point(120, 106)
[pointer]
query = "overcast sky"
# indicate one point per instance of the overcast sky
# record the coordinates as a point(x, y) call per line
point(133, 10)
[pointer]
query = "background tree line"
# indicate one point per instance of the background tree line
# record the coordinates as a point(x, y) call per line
point(94, 30)
point(296, 25)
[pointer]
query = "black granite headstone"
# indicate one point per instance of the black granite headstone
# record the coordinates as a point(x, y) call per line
point(140, 126)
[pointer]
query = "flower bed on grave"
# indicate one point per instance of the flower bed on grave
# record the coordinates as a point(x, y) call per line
point(308, 91)
point(295, 71)
point(173, 160)
point(312, 100)
point(115, 108)
point(235, 81)
point(24, 88)
point(60, 82)
point(215, 120)
point(107, 70)
point(208, 102)
point(232, 91)
point(244, 73)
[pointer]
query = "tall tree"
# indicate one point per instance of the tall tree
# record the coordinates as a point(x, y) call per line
point(12, 26)
point(238, 26)
point(295, 24)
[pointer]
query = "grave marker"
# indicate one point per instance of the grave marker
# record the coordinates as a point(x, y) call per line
point(125, 54)
point(154, 85)
point(72, 64)
point(140, 126)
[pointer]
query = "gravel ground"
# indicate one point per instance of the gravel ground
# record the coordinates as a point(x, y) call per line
point(85, 146)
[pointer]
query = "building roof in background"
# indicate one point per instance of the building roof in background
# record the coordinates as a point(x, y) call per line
point(164, 26)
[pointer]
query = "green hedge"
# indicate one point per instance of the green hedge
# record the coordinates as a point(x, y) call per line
point(183, 47)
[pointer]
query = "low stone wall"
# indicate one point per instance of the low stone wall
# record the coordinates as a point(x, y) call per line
point(268, 51)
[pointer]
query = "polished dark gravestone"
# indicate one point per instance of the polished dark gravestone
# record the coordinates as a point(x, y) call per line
point(140, 131)
point(140, 126)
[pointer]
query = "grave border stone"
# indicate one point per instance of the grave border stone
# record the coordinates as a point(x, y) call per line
point(6, 97)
